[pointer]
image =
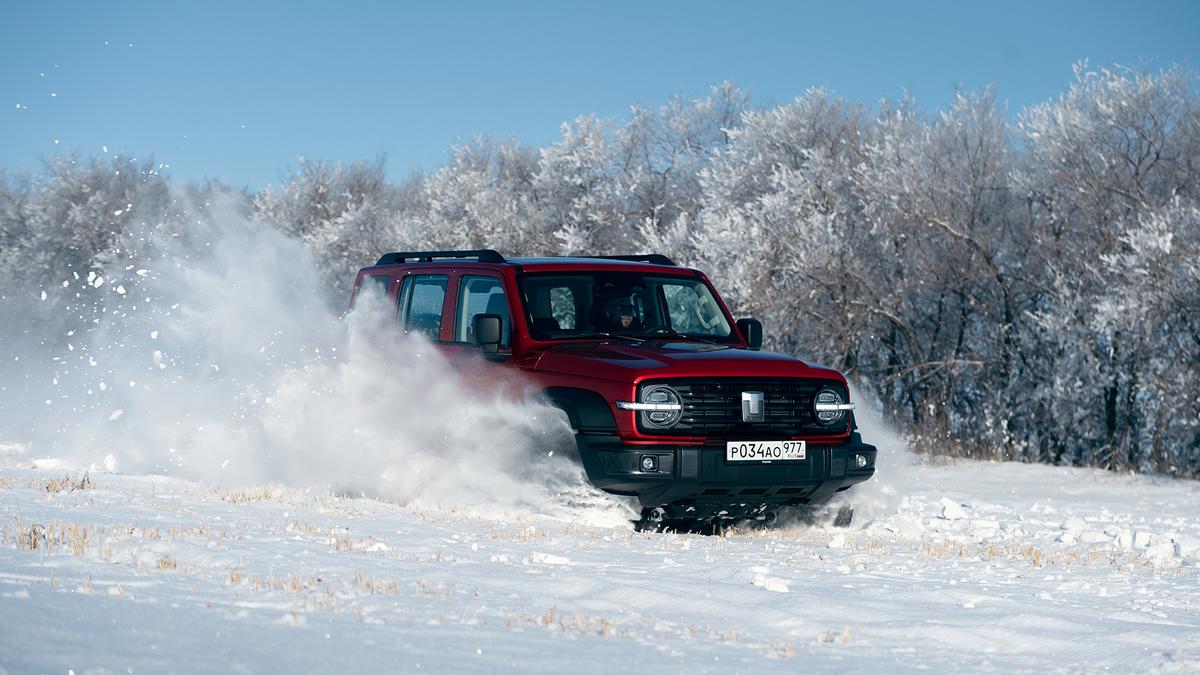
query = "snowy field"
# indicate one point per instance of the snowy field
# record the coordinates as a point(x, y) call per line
point(970, 566)
point(207, 469)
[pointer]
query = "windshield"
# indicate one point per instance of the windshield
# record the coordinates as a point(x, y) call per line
point(562, 306)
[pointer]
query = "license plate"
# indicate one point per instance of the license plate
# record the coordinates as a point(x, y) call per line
point(764, 451)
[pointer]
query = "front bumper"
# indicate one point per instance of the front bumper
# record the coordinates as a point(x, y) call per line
point(699, 480)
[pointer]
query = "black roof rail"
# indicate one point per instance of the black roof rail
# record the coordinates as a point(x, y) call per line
point(486, 255)
point(652, 258)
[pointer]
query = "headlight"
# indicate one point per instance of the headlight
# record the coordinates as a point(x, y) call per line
point(670, 406)
point(660, 406)
point(829, 407)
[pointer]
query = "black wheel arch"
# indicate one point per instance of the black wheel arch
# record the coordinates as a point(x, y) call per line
point(586, 410)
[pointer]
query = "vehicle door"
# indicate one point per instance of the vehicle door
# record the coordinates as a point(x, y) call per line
point(423, 304)
point(476, 293)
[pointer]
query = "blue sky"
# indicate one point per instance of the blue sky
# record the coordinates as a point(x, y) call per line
point(237, 91)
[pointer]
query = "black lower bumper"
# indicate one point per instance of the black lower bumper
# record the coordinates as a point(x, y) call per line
point(700, 479)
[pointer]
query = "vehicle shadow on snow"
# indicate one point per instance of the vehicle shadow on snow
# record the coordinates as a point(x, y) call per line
point(791, 517)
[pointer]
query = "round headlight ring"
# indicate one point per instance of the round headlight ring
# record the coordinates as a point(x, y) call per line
point(828, 418)
point(661, 419)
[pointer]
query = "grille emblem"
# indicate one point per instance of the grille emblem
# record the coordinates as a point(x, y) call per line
point(753, 409)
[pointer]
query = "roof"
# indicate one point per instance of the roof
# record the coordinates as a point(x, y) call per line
point(491, 259)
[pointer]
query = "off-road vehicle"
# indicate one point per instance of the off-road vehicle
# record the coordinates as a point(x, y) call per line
point(670, 399)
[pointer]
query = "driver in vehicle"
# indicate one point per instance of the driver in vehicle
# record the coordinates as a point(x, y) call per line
point(620, 314)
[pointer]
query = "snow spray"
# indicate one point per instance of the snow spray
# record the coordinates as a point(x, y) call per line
point(205, 348)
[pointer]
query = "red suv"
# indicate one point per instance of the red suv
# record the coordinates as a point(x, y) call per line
point(670, 399)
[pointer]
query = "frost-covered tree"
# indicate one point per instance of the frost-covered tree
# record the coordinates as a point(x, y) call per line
point(1151, 307)
point(484, 198)
point(1026, 291)
point(344, 212)
point(578, 191)
point(1117, 149)
point(59, 227)
point(660, 157)
point(775, 201)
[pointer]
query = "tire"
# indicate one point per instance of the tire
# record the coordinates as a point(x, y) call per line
point(844, 516)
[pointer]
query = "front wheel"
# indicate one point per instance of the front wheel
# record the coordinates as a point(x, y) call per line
point(844, 516)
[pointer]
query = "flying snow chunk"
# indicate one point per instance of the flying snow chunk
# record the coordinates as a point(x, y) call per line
point(906, 526)
point(116, 414)
point(1074, 524)
point(952, 510)
point(118, 212)
point(120, 290)
point(110, 462)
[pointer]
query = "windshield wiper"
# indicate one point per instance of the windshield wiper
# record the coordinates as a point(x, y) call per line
point(599, 334)
point(671, 332)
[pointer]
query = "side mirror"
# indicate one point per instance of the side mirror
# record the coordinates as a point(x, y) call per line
point(751, 330)
point(487, 332)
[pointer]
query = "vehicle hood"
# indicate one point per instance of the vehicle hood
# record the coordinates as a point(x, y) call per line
point(630, 361)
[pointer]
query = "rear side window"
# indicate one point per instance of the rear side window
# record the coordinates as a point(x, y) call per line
point(373, 288)
point(377, 283)
point(422, 298)
point(481, 295)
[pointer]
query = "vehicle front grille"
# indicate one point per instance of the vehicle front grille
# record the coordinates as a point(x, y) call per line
point(712, 408)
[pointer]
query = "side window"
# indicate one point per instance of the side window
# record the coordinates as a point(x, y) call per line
point(681, 307)
point(692, 310)
point(373, 289)
point(423, 297)
point(377, 283)
point(481, 295)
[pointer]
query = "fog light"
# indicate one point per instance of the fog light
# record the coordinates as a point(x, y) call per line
point(649, 463)
point(861, 461)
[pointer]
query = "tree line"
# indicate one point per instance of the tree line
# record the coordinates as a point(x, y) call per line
point(1022, 288)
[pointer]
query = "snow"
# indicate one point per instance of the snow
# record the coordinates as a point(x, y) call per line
point(152, 573)
point(476, 552)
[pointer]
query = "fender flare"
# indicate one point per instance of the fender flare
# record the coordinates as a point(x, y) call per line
point(586, 410)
